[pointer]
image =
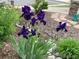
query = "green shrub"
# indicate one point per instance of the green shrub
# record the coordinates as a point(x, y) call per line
point(40, 4)
point(68, 48)
point(33, 48)
point(8, 19)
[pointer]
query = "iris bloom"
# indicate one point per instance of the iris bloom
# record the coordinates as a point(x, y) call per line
point(41, 16)
point(33, 21)
point(26, 9)
point(24, 32)
point(61, 27)
point(33, 31)
point(26, 13)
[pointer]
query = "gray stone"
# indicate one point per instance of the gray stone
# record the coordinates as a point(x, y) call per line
point(51, 57)
point(53, 50)
point(58, 58)
point(56, 54)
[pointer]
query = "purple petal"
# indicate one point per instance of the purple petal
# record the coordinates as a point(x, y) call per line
point(33, 31)
point(26, 9)
point(41, 15)
point(24, 32)
point(33, 21)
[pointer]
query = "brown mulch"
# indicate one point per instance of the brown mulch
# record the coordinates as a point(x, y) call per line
point(51, 27)
point(7, 52)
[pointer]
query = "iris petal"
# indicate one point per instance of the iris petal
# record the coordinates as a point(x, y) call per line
point(24, 32)
point(44, 22)
point(32, 14)
point(26, 9)
point(33, 31)
point(61, 27)
point(33, 21)
point(27, 17)
point(41, 15)
point(26, 12)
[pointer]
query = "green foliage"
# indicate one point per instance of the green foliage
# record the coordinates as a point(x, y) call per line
point(1, 45)
point(40, 4)
point(44, 5)
point(33, 48)
point(68, 48)
point(2, 5)
point(8, 19)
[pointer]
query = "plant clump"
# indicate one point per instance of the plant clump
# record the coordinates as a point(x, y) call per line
point(68, 48)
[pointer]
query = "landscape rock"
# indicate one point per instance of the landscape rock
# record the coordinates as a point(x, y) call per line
point(58, 58)
point(51, 57)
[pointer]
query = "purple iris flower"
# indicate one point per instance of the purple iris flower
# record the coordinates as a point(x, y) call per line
point(33, 21)
point(26, 9)
point(33, 31)
point(24, 31)
point(26, 13)
point(61, 27)
point(41, 15)
point(27, 16)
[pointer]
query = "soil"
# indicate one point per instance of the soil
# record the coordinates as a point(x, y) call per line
point(7, 52)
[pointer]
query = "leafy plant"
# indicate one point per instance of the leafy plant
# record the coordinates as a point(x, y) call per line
point(33, 48)
point(8, 19)
point(68, 48)
point(40, 4)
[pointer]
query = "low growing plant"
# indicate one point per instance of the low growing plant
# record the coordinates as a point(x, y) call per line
point(68, 48)
point(8, 19)
point(33, 48)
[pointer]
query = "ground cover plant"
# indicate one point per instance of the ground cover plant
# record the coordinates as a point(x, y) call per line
point(8, 19)
point(68, 48)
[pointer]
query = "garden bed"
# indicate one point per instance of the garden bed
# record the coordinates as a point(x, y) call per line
point(47, 32)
